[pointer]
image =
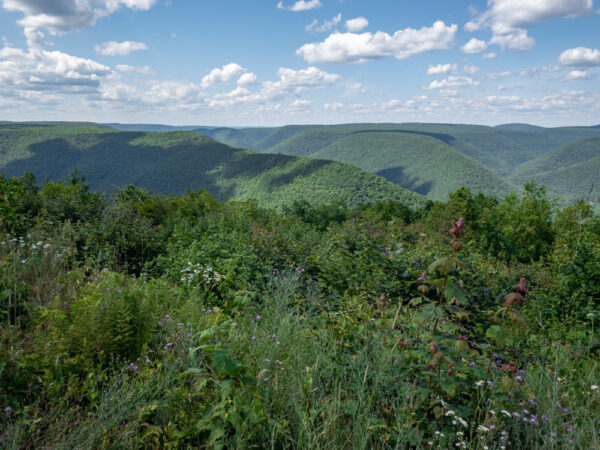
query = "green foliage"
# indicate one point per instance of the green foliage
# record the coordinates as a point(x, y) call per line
point(181, 322)
point(114, 317)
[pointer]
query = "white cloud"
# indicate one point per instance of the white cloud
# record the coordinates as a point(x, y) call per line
point(59, 16)
point(223, 75)
point(326, 26)
point(515, 40)
point(490, 55)
point(470, 69)
point(474, 46)
point(359, 48)
point(499, 75)
point(508, 19)
point(247, 79)
point(580, 57)
point(575, 75)
point(300, 106)
point(441, 69)
point(49, 71)
point(113, 48)
point(145, 70)
point(357, 24)
point(452, 82)
point(301, 5)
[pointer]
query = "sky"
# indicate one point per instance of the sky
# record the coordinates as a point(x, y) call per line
point(272, 63)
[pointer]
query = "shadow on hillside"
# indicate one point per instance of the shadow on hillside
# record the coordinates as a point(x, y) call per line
point(111, 161)
point(249, 165)
point(397, 176)
point(445, 138)
point(303, 170)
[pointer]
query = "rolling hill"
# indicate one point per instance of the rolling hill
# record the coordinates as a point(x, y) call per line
point(570, 172)
point(174, 162)
point(420, 163)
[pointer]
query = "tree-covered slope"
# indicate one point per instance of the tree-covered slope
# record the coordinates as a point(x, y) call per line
point(242, 138)
point(420, 163)
point(577, 181)
point(174, 162)
point(561, 157)
point(570, 172)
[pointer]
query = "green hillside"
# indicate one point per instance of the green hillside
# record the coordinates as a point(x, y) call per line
point(420, 163)
point(241, 138)
point(577, 181)
point(570, 172)
point(559, 158)
point(155, 127)
point(174, 162)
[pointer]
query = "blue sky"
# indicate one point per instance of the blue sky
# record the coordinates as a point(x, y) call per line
point(270, 62)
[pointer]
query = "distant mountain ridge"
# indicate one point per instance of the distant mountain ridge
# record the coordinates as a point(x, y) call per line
point(426, 158)
point(176, 161)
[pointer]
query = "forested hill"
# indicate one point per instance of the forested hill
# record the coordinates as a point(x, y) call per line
point(174, 162)
point(433, 159)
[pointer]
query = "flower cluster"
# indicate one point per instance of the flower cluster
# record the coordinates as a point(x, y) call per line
point(205, 273)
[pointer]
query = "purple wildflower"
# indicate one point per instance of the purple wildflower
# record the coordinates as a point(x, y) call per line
point(516, 415)
point(472, 364)
point(8, 410)
point(253, 338)
point(267, 360)
point(258, 317)
point(519, 378)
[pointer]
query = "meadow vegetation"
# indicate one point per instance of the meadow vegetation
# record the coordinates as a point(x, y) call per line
point(135, 320)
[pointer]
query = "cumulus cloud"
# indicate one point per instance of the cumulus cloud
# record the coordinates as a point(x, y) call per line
point(508, 19)
point(59, 16)
point(580, 57)
point(489, 55)
point(357, 24)
point(49, 71)
point(301, 5)
point(113, 48)
point(575, 75)
point(187, 96)
point(145, 70)
point(470, 69)
point(474, 46)
point(325, 26)
point(247, 79)
point(223, 75)
point(441, 69)
point(452, 82)
point(515, 40)
point(499, 75)
point(359, 48)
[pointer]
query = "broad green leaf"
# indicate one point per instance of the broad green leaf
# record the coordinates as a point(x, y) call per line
point(497, 334)
point(225, 364)
point(453, 290)
point(443, 265)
